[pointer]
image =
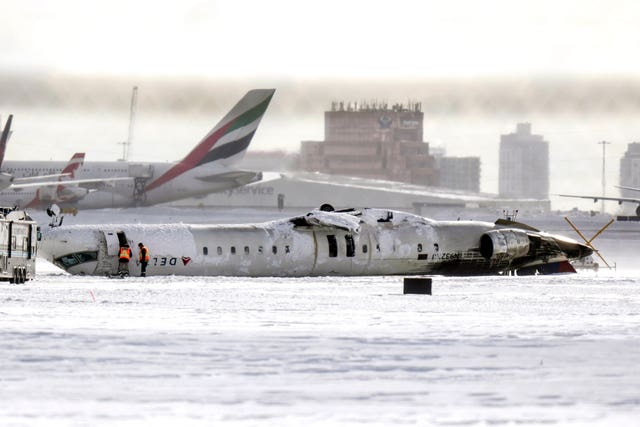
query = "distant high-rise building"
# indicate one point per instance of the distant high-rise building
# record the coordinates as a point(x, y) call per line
point(372, 141)
point(524, 165)
point(630, 169)
point(460, 173)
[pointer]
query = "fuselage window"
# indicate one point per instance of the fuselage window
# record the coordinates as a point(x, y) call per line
point(351, 246)
point(219, 250)
point(205, 250)
point(86, 256)
point(260, 249)
point(287, 249)
point(419, 247)
point(333, 245)
point(365, 249)
point(246, 250)
point(233, 250)
point(378, 247)
point(67, 261)
point(274, 249)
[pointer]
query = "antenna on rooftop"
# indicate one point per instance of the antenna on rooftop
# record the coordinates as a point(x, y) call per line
point(126, 145)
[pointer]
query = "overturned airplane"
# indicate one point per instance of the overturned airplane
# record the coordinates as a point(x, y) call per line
point(323, 242)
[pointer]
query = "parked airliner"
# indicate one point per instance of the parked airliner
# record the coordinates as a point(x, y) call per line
point(320, 243)
point(207, 168)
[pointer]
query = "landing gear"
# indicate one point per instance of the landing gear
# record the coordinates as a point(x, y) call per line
point(19, 275)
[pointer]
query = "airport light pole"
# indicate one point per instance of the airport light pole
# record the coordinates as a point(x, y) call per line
point(604, 144)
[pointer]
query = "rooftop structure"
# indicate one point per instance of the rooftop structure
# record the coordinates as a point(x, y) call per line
point(372, 140)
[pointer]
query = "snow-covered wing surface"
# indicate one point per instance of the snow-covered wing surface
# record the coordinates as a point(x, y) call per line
point(339, 220)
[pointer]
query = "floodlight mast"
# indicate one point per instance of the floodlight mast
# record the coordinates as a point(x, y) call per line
point(604, 144)
point(126, 145)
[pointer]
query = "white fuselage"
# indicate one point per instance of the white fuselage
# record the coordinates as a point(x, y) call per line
point(110, 194)
point(404, 244)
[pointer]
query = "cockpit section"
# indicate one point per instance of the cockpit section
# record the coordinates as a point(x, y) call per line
point(70, 260)
point(89, 251)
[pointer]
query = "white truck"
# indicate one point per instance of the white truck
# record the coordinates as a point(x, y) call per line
point(18, 245)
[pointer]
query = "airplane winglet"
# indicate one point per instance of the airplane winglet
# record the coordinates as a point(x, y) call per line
point(6, 133)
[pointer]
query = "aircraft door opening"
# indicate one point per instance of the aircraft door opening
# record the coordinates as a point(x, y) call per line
point(122, 238)
point(114, 240)
point(108, 248)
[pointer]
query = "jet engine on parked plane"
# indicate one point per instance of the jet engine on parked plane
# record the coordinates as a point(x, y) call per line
point(504, 245)
point(69, 193)
point(61, 193)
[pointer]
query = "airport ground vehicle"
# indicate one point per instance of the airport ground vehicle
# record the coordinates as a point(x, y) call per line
point(18, 245)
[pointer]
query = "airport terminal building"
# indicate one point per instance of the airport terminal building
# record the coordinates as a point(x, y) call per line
point(305, 191)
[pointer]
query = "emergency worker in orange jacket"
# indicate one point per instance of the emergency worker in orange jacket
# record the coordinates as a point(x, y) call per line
point(124, 256)
point(143, 257)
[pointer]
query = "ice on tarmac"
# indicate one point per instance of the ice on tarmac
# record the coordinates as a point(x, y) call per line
point(546, 350)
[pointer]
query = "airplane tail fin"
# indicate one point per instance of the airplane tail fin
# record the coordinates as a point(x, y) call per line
point(77, 160)
point(64, 191)
point(227, 142)
point(6, 133)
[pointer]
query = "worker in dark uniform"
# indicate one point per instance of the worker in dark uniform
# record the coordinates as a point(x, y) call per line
point(124, 256)
point(143, 257)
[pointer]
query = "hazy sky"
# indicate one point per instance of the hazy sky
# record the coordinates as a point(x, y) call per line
point(276, 42)
point(315, 39)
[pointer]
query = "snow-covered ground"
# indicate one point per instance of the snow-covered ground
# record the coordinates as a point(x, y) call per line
point(176, 351)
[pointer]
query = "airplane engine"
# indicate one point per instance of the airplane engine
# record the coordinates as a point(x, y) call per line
point(70, 193)
point(504, 244)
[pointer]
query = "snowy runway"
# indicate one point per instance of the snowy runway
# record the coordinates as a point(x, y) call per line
point(320, 351)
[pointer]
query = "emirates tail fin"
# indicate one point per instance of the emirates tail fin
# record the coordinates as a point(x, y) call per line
point(227, 142)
